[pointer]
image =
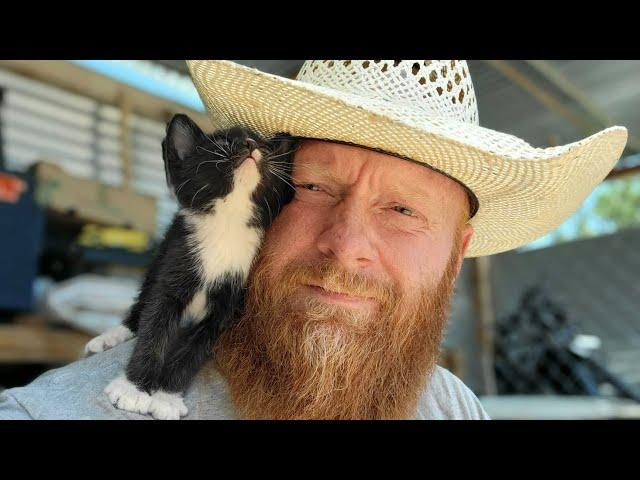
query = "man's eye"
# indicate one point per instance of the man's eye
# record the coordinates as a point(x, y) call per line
point(403, 210)
point(309, 186)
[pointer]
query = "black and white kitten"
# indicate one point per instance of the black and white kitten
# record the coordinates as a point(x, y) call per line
point(230, 185)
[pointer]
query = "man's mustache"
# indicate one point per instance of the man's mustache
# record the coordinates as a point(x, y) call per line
point(331, 277)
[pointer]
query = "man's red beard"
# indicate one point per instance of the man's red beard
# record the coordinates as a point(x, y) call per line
point(287, 360)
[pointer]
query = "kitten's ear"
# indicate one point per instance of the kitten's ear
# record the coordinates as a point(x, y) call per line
point(183, 136)
point(285, 139)
point(285, 142)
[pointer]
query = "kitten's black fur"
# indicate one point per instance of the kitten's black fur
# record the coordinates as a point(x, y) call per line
point(201, 169)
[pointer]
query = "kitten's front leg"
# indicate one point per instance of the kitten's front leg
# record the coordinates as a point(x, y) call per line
point(167, 406)
point(134, 390)
point(120, 333)
point(109, 339)
point(126, 396)
point(188, 351)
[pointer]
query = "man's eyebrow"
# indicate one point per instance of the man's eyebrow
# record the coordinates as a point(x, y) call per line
point(315, 169)
point(411, 194)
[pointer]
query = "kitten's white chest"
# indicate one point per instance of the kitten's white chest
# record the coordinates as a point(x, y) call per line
point(223, 240)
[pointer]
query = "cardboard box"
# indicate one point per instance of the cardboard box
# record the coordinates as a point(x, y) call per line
point(93, 201)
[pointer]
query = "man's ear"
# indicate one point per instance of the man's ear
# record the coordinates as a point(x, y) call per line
point(183, 136)
point(465, 239)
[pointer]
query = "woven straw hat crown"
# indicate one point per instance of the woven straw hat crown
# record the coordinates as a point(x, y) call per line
point(435, 88)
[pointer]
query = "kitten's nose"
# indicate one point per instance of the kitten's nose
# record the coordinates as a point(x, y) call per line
point(254, 151)
point(251, 144)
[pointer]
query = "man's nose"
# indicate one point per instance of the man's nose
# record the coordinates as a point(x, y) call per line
point(347, 239)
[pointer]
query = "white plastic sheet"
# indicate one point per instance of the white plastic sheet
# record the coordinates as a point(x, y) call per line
point(92, 303)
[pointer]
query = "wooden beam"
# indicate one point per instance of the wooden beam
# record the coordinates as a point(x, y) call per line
point(566, 86)
point(40, 344)
point(623, 172)
point(545, 98)
point(85, 82)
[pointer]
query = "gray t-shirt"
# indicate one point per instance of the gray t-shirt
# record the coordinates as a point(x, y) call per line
point(75, 392)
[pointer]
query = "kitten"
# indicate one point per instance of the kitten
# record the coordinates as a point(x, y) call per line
point(229, 185)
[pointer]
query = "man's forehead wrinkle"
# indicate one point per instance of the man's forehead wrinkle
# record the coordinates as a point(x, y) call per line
point(409, 193)
point(315, 169)
point(326, 163)
point(314, 159)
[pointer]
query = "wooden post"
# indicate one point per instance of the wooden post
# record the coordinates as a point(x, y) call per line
point(486, 321)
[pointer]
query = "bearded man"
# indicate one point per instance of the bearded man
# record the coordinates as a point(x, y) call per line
point(347, 301)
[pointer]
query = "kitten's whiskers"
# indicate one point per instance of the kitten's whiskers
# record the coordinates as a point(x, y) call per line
point(278, 198)
point(280, 177)
point(209, 151)
point(182, 185)
point(268, 208)
point(282, 154)
point(194, 195)
point(211, 161)
point(227, 152)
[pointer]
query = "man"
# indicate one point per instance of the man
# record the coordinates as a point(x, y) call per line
point(395, 185)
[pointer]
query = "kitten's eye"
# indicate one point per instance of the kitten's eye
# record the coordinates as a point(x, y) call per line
point(403, 210)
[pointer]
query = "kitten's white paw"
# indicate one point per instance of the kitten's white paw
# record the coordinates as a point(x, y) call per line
point(167, 406)
point(125, 395)
point(109, 339)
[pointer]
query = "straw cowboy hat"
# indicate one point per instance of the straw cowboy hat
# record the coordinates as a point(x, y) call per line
point(425, 111)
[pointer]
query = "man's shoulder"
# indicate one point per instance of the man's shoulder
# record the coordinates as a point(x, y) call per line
point(446, 397)
point(70, 392)
point(76, 392)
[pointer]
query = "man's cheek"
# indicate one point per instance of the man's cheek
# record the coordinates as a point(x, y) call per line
point(284, 220)
point(295, 224)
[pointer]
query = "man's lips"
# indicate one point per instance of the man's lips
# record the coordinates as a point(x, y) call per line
point(337, 296)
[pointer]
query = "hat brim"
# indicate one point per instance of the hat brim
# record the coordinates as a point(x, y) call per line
point(523, 192)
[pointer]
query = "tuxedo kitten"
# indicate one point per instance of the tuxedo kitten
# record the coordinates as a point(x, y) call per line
point(229, 185)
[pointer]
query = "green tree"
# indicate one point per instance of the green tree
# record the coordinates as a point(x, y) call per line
point(620, 202)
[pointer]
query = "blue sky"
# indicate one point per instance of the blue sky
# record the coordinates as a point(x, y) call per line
point(149, 78)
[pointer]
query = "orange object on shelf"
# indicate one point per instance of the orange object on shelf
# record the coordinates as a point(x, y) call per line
point(11, 187)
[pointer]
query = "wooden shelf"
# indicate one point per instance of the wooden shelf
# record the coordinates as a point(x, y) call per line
point(30, 340)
